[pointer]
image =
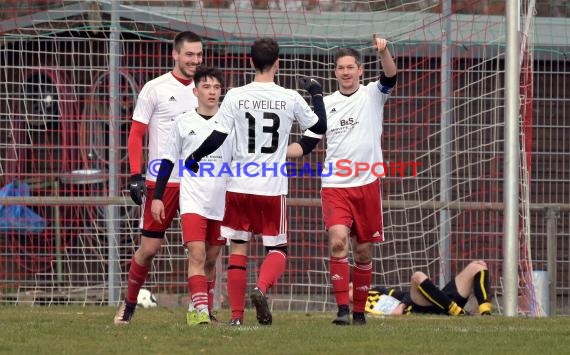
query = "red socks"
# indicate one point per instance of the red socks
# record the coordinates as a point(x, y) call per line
point(340, 277)
point(211, 294)
point(136, 278)
point(237, 282)
point(361, 277)
point(198, 287)
point(272, 268)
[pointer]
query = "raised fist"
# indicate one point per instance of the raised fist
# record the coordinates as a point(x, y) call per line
point(379, 43)
point(311, 85)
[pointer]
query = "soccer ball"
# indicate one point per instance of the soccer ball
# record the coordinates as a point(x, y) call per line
point(146, 299)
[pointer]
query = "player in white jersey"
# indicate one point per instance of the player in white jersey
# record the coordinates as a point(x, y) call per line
point(352, 204)
point(202, 198)
point(261, 115)
point(158, 103)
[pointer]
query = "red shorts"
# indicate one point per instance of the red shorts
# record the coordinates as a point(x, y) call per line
point(359, 208)
point(151, 228)
point(248, 215)
point(196, 228)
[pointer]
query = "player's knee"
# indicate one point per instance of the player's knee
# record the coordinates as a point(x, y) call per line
point(337, 247)
point(418, 277)
point(338, 238)
point(478, 265)
point(196, 251)
point(196, 264)
point(338, 243)
point(196, 258)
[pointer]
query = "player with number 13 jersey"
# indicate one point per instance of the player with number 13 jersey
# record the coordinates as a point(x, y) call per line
point(262, 114)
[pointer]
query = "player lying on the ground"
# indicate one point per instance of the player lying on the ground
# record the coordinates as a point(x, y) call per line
point(424, 297)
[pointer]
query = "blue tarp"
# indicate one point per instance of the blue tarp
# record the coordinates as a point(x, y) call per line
point(19, 218)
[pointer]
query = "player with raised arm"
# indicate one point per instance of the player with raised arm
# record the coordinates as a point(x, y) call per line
point(352, 204)
point(425, 297)
point(202, 198)
point(261, 114)
point(158, 103)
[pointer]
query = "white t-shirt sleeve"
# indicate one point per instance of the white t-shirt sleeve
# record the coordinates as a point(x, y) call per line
point(144, 108)
point(225, 119)
point(312, 134)
point(379, 91)
point(173, 143)
point(304, 114)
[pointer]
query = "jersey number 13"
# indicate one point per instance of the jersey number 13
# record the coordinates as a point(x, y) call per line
point(272, 129)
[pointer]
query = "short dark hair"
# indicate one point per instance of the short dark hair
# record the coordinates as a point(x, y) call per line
point(347, 52)
point(264, 53)
point(185, 36)
point(208, 72)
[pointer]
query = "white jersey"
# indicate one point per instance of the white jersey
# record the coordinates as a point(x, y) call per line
point(261, 116)
point(158, 103)
point(354, 130)
point(203, 193)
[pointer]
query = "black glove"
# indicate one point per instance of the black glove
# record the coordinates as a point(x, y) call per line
point(191, 164)
point(311, 85)
point(137, 187)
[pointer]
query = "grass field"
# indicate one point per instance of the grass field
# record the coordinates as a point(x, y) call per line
point(89, 330)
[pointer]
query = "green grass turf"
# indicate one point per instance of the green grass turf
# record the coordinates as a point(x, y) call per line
point(90, 330)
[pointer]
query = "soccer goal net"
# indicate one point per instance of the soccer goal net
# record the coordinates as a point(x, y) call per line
point(60, 75)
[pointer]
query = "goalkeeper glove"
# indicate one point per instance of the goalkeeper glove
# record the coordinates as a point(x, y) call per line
point(137, 187)
point(311, 85)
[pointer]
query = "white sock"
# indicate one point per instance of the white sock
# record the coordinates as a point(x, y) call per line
point(202, 309)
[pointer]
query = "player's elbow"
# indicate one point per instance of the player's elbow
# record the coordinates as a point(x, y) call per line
point(320, 127)
point(389, 79)
point(294, 150)
point(308, 144)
